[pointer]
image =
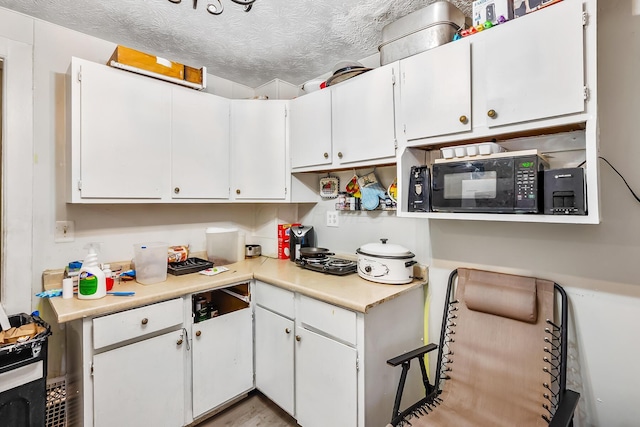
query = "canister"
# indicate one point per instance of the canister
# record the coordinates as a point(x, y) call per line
point(419, 31)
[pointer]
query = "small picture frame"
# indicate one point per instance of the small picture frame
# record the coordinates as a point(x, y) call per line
point(329, 187)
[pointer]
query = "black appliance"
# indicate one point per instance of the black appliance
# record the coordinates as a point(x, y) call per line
point(23, 396)
point(188, 266)
point(329, 265)
point(565, 192)
point(419, 189)
point(501, 183)
point(300, 236)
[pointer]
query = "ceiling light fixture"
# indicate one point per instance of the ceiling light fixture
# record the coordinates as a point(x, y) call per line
point(216, 8)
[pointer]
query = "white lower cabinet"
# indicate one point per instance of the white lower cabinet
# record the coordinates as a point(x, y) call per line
point(338, 356)
point(326, 381)
point(123, 367)
point(222, 350)
point(130, 383)
point(167, 364)
point(222, 360)
point(274, 357)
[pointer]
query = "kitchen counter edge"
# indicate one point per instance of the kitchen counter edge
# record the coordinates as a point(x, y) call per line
point(350, 292)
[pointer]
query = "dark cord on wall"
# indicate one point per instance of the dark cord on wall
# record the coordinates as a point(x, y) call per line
point(624, 180)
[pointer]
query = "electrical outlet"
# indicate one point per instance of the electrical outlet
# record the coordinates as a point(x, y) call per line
point(332, 219)
point(64, 231)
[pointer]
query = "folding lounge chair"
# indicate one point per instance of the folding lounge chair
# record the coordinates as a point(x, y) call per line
point(501, 359)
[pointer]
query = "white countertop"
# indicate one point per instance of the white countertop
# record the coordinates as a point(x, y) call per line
point(350, 291)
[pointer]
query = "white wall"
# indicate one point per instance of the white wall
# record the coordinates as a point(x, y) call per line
point(16, 48)
point(361, 227)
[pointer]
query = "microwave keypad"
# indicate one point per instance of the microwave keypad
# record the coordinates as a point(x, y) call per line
point(526, 184)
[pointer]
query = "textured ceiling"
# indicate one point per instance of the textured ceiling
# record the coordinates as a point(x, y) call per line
point(293, 40)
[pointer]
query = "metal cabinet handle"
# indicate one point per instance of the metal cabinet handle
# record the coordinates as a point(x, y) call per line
point(298, 338)
point(287, 330)
point(145, 321)
point(340, 154)
point(238, 191)
point(492, 114)
point(198, 333)
point(326, 155)
point(179, 342)
point(464, 120)
point(176, 190)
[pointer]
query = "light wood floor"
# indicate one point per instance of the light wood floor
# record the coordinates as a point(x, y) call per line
point(254, 411)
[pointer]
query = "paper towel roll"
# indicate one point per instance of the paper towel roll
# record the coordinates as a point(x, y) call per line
point(241, 244)
point(67, 288)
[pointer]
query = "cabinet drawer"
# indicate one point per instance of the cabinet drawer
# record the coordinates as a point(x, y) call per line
point(334, 321)
point(275, 299)
point(136, 323)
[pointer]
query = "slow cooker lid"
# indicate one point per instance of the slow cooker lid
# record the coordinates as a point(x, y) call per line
point(385, 250)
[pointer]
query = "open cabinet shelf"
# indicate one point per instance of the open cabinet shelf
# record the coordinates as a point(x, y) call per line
point(566, 147)
point(219, 302)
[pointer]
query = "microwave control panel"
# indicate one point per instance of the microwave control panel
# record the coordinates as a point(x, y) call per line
point(527, 182)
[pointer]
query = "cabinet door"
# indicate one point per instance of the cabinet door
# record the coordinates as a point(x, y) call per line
point(131, 383)
point(310, 129)
point(199, 145)
point(222, 359)
point(534, 66)
point(274, 357)
point(435, 91)
point(125, 128)
point(362, 114)
point(326, 381)
point(258, 132)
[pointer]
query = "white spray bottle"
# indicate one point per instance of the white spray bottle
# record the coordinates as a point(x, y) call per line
point(92, 283)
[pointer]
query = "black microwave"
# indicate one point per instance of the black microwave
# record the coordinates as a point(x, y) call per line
point(501, 183)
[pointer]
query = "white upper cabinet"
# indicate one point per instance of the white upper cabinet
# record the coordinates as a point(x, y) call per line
point(363, 117)
point(258, 150)
point(435, 91)
point(199, 145)
point(531, 70)
point(310, 130)
point(120, 136)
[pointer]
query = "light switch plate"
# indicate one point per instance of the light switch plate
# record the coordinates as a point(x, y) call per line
point(64, 231)
point(332, 219)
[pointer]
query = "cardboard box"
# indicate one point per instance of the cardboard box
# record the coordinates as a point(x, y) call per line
point(283, 240)
point(522, 7)
point(491, 10)
point(155, 64)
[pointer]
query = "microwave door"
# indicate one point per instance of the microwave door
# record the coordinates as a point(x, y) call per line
point(479, 186)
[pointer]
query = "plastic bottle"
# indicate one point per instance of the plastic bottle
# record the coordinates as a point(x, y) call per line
point(108, 276)
point(92, 284)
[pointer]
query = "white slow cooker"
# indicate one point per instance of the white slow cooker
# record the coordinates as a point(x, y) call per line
point(385, 263)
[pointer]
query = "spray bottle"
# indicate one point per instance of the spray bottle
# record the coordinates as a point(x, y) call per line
point(92, 284)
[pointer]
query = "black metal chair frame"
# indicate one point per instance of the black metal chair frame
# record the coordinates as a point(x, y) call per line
point(562, 403)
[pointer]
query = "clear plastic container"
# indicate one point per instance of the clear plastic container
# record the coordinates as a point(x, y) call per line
point(223, 245)
point(151, 262)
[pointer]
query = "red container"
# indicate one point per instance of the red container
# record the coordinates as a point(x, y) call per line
point(283, 240)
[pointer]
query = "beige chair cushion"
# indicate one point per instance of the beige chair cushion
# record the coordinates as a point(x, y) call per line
point(509, 296)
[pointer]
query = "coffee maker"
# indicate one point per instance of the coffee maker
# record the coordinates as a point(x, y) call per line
point(300, 236)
